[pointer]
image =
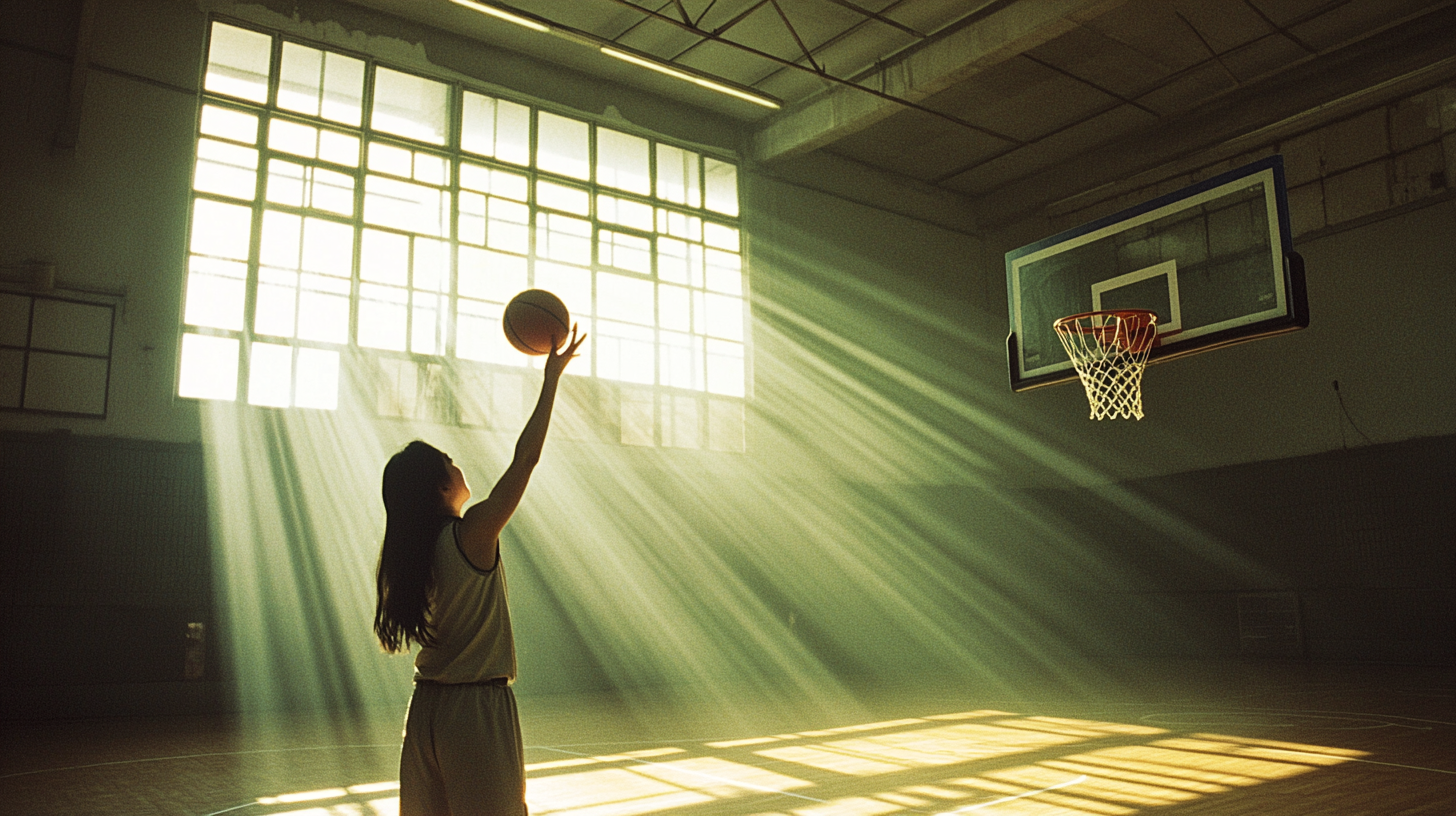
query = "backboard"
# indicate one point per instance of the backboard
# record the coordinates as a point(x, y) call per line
point(1214, 260)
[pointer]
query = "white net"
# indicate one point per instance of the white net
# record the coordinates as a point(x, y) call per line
point(1110, 351)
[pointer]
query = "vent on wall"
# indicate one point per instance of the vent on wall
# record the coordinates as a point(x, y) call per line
point(55, 354)
point(1269, 625)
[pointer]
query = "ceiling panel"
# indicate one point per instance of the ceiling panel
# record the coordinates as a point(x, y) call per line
point(1106, 63)
point(1151, 28)
point(1189, 89)
point(1223, 24)
point(1075, 141)
point(1286, 12)
point(1263, 56)
point(1021, 98)
point(919, 145)
point(658, 37)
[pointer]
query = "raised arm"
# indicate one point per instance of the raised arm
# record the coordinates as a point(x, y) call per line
point(481, 525)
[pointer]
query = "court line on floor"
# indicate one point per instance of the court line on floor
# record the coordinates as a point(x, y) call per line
point(1028, 794)
point(1314, 712)
point(1354, 759)
point(394, 745)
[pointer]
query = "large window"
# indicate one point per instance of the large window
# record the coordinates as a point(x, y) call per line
point(356, 223)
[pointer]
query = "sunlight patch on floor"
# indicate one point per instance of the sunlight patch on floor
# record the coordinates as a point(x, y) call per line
point(938, 765)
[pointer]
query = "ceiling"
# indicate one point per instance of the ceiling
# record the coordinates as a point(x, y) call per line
point(976, 113)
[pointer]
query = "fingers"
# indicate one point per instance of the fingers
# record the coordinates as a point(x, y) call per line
point(570, 348)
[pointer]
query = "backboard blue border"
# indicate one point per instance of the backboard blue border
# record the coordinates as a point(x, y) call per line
point(1289, 313)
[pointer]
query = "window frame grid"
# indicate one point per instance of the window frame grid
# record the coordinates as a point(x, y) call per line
point(452, 152)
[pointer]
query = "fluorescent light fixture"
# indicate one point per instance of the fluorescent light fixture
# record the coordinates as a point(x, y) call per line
point(687, 77)
point(502, 14)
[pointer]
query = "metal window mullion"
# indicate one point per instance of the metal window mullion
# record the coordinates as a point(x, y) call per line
point(361, 175)
point(25, 354)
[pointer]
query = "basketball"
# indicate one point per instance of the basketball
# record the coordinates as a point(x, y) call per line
point(536, 322)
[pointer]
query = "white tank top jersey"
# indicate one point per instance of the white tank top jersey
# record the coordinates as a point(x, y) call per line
point(471, 618)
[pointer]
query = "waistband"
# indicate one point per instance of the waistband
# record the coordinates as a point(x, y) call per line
point(494, 681)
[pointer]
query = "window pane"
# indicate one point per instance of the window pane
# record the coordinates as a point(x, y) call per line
point(478, 334)
point(384, 257)
point(331, 191)
point(406, 205)
point(508, 226)
point(721, 183)
point(562, 197)
point(562, 238)
point(431, 169)
point(215, 293)
point(285, 183)
point(318, 379)
point(622, 162)
point(209, 367)
point(725, 273)
point(624, 298)
point(221, 230)
point(431, 265)
point(496, 128)
point(724, 316)
point(624, 251)
point(382, 316)
point(679, 224)
point(562, 146)
point(270, 375)
point(493, 276)
point(323, 309)
point(679, 262)
point(227, 123)
point(226, 169)
point(410, 106)
point(490, 180)
point(681, 365)
point(291, 137)
point(321, 83)
point(391, 159)
point(674, 308)
point(625, 353)
point(282, 239)
point(237, 63)
point(720, 236)
point(470, 217)
point(625, 212)
point(725, 368)
point(677, 176)
point(328, 247)
point(296, 185)
point(276, 306)
point(300, 78)
point(427, 327)
point(339, 148)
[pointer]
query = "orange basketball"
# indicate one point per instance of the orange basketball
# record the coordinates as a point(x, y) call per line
point(536, 322)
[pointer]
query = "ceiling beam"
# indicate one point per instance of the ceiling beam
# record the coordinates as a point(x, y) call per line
point(938, 63)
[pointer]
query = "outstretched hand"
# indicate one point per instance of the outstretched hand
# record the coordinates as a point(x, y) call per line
point(561, 355)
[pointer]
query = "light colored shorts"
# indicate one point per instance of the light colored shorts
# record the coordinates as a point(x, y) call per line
point(462, 752)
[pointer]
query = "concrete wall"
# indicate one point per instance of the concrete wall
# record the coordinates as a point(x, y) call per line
point(892, 482)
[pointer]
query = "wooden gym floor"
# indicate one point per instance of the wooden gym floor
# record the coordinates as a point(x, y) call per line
point(1165, 739)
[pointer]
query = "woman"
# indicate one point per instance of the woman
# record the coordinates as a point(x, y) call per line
point(441, 586)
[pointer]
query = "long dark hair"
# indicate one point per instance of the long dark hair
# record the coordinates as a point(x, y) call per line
point(414, 514)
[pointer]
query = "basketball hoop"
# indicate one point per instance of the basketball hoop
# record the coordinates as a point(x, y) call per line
point(1110, 351)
